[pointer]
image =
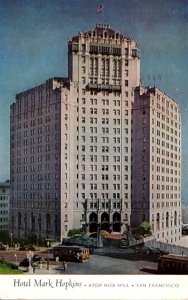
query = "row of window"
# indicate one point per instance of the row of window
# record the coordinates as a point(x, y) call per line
point(104, 195)
point(164, 144)
point(105, 102)
point(4, 226)
point(37, 112)
point(116, 149)
point(38, 149)
point(4, 204)
point(164, 161)
point(104, 93)
point(165, 204)
point(3, 219)
point(166, 179)
point(104, 139)
point(165, 170)
point(166, 153)
point(103, 186)
point(104, 130)
point(165, 196)
point(4, 197)
point(4, 212)
point(94, 167)
point(105, 205)
point(164, 126)
point(34, 205)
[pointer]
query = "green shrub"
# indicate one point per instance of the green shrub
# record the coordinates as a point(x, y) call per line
point(73, 232)
point(142, 229)
point(8, 268)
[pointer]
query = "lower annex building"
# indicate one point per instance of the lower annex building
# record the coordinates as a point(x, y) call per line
point(4, 205)
point(59, 179)
point(156, 164)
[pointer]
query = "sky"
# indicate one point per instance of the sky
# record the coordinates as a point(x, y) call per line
point(33, 48)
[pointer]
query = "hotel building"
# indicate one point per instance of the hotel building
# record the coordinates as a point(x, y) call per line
point(71, 141)
point(71, 144)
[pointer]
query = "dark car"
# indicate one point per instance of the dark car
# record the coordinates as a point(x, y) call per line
point(158, 251)
point(36, 259)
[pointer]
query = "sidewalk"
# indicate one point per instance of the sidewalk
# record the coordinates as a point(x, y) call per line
point(42, 271)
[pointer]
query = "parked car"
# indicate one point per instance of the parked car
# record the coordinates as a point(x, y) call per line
point(158, 251)
point(36, 259)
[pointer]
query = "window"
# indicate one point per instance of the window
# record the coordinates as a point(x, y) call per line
point(126, 83)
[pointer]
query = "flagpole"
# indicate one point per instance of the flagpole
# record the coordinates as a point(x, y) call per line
point(100, 10)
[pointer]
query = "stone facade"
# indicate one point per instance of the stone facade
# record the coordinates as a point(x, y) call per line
point(71, 141)
point(4, 205)
point(185, 215)
point(156, 163)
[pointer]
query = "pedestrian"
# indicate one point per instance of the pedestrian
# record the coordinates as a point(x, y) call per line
point(64, 265)
point(57, 259)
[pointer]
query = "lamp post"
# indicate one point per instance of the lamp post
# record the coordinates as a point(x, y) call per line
point(15, 255)
point(48, 256)
point(99, 236)
point(29, 257)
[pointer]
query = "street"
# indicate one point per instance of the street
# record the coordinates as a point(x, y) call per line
point(98, 264)
point(103, 261)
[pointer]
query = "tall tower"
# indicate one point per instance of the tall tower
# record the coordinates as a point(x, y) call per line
point(104, 66)
point(71, 141)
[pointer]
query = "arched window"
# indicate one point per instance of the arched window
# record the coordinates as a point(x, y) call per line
point(105, 217)
point(116, 222)
point(93, 217)
point(105, 225)
point(93, 221)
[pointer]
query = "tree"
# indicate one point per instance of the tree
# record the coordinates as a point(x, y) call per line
point(145, 228)
point(142, 229)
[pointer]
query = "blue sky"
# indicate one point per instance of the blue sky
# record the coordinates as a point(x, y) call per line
point(33, 48)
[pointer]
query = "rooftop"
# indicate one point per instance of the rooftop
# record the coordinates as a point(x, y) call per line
point(103, 31)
